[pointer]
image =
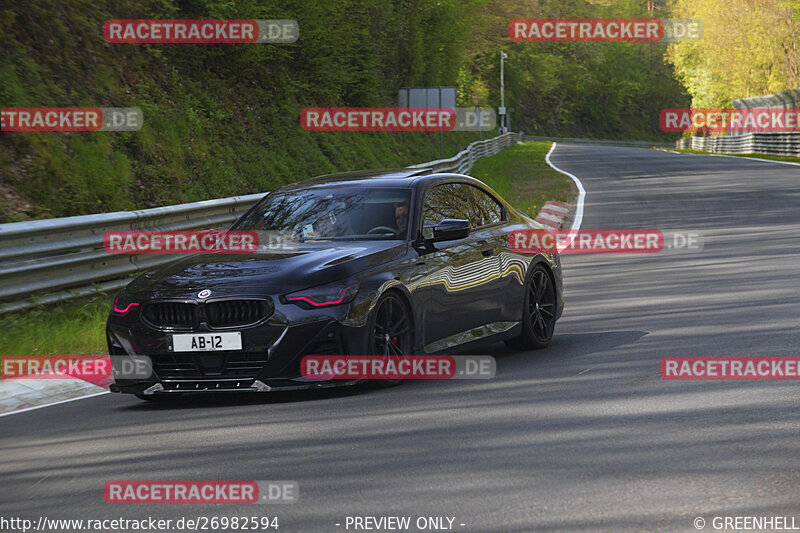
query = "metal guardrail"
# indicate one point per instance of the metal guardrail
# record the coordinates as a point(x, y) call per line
point(633, 144)
point(463, 161)
point(782, 100)
point(756, 142)
point(787, 144)
point(45, 261)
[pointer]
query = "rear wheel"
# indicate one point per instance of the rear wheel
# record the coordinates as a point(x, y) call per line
point(538, 312)
point(390, 331)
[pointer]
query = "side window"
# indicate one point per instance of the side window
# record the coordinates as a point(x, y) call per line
point(459, 201)
point(443, 201)
point(484, 209)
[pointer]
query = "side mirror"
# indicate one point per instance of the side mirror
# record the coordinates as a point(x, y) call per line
point(450, 230)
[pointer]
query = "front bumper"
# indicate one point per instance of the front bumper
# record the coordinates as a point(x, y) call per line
point(268, 361)
point(209, 386)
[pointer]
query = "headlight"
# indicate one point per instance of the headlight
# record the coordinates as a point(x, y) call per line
point(124, 304)
point(324, 295)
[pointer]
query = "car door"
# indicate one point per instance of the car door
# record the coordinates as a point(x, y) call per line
point(489, 218)
point(461, 273)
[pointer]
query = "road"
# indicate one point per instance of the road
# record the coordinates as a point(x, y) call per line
point(582, 436)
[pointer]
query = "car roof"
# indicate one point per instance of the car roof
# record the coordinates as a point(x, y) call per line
point(395, 177)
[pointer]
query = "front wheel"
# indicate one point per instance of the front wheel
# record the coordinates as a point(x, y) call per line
point(390, 331)
point(538, 312)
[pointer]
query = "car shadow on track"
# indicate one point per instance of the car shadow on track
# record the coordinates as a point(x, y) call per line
point(563, 349)
point(565, 346)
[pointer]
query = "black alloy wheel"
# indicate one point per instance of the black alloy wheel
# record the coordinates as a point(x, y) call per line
point(390, 331)
point(539, 312)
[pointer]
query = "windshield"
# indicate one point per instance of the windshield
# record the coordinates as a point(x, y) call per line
point(333, 214)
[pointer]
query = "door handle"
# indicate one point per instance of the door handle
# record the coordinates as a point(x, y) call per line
point(488, 253)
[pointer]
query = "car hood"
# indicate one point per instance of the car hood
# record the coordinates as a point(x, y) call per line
point(310, 265)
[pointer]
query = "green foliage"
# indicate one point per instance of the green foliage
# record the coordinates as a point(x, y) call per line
point(602, 90)
point(222, 120)
point(749, 48)
point(219, 120)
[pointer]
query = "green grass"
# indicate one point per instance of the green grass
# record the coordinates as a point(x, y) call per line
point(754, 156)
point(76, 327)
point(520, 175)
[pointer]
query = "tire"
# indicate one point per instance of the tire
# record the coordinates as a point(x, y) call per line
point(538, 312)
point(390, 331)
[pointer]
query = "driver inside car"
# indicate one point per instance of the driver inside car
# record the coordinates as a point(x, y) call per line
point(398, 211)
point(401, 216)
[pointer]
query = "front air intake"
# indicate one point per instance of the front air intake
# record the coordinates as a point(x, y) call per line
point(237, 313)
point(176, 315)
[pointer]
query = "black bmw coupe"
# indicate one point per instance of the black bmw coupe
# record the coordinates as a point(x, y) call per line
point(385, 263)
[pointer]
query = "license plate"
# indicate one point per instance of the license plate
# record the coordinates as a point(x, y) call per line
point(207, 342)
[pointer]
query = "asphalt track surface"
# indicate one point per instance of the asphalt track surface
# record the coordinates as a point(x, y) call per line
point(584, 435)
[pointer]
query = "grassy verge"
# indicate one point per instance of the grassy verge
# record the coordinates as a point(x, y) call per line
point(76, 327)
point(520, 175)
point(790, 159)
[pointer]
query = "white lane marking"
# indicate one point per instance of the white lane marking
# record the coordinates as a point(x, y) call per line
point(576, 224)
point(25, 410)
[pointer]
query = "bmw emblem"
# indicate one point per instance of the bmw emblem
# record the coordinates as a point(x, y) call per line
point(205, 293)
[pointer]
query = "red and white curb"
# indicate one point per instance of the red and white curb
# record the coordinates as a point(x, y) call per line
point(552, 214)
point(18, 395)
